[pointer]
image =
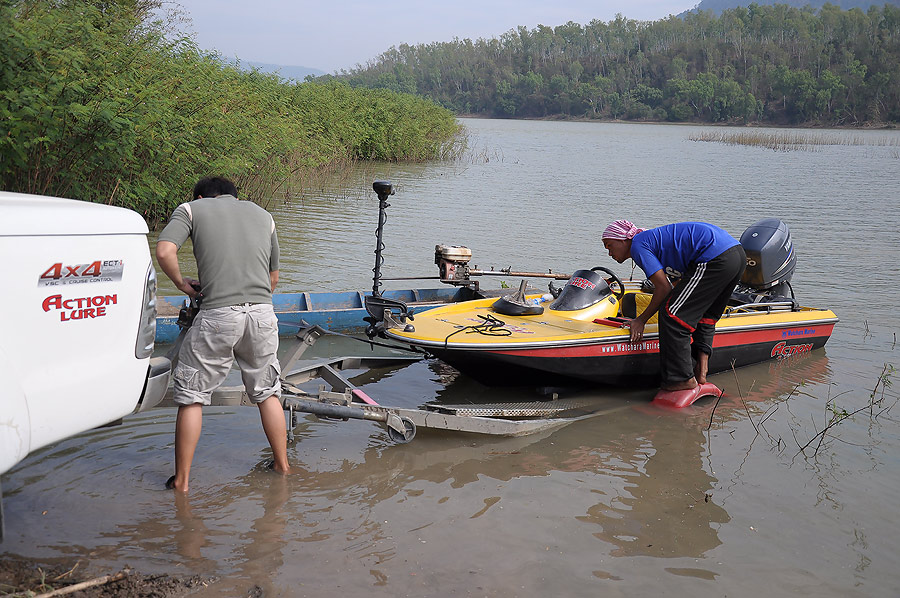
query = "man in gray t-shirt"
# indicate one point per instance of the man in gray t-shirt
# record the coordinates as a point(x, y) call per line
point(236, 248)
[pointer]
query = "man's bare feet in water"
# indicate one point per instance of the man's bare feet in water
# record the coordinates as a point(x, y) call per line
point(272, 465)
point(685, 385)
point(171, 485)
point(701, 367)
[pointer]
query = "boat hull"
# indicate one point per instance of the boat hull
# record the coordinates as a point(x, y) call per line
point(623, 363)
point(558, 348)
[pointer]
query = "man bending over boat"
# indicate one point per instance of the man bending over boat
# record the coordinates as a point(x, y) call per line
point(707, 264)
point(236, 248)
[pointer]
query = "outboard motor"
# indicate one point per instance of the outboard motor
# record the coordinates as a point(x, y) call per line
point(453, 262)
point(583, 289)
point(771, 261)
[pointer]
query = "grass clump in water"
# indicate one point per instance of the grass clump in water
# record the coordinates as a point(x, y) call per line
point(791, 140)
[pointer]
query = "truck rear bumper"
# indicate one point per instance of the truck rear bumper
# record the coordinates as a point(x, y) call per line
point(157, 381)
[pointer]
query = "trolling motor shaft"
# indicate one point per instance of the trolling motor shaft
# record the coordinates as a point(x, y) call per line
point(384, 189)
point(382, 311)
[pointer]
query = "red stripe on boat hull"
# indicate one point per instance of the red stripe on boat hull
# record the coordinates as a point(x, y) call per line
point(626, 363)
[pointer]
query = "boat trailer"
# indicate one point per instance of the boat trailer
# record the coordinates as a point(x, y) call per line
point(344, 401)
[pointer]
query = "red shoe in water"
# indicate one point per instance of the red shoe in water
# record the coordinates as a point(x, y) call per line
point(684, 398)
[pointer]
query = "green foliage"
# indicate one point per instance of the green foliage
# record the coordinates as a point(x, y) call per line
point(777, 64)
point(96, 104)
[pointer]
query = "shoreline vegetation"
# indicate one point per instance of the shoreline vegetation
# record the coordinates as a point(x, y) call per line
point(98, 103)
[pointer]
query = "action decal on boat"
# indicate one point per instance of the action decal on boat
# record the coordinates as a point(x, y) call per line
point(81, 308)
point(774, 335)
point(96, 271)
point(783, 349)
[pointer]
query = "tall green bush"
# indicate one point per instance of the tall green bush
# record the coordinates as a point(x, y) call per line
point(97, 104)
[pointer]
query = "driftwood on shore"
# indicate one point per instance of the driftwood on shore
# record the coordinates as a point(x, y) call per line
point(97, 581)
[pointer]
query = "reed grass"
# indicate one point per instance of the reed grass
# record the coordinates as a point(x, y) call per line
point(794, 140)
point(338, 179)
point(346, 177)
point(483, 155)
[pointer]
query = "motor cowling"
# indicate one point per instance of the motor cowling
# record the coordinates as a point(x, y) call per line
point(771, 258)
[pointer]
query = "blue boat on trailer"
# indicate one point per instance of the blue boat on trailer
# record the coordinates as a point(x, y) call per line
point(337, 311)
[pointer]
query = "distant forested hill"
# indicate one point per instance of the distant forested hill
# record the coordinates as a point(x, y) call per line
point(773, 64)
point(298, 73)
point(717, 6)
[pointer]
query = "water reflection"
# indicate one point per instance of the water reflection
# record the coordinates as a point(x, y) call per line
point(190, 537)
point(566, 512)
point(633, 483)
point(663, 507)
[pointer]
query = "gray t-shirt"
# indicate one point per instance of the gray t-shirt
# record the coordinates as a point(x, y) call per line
point(235, 245)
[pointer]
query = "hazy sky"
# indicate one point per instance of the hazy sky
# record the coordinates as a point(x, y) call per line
point(339, 34)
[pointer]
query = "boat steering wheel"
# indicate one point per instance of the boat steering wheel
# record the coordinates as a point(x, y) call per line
point(616, 280)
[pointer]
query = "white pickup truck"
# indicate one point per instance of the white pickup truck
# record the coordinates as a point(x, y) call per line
point(77, 321)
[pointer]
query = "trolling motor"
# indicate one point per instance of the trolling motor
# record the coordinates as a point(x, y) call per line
point(383, 189)
point(383, 313)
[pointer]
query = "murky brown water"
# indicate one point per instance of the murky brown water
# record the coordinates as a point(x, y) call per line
point(637, 502)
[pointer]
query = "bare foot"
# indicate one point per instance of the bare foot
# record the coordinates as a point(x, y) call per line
point(686, 385)
point(282, 468)
point(701, 367)
point(171, 484)
point(699, 375)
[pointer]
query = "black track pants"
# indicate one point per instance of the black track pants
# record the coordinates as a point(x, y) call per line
point(691, 311)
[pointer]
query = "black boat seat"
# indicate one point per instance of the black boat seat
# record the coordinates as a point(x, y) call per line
point(628, 306)
point(507, 307)
point(633, 304)
point(516, 304)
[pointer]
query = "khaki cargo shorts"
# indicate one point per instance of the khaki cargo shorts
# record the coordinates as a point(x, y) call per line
point(247, 333)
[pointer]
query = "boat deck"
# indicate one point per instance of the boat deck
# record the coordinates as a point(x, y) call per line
point(476, 325)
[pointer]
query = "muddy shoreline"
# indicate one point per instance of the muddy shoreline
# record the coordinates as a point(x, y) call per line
point(29, 577)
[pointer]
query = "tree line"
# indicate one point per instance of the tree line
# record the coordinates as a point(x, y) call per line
point(773, 64)
point(98, 103)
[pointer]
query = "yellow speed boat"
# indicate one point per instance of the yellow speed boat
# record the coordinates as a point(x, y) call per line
point(581, 334)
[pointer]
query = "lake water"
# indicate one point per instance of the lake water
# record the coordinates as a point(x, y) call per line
point(706, 501)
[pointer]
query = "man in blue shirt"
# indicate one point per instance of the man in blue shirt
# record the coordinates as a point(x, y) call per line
point(706, 264)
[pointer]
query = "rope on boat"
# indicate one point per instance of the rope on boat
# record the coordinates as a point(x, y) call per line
point(490, 327)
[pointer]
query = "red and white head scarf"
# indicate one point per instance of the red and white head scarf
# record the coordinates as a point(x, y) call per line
point(621, 230)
